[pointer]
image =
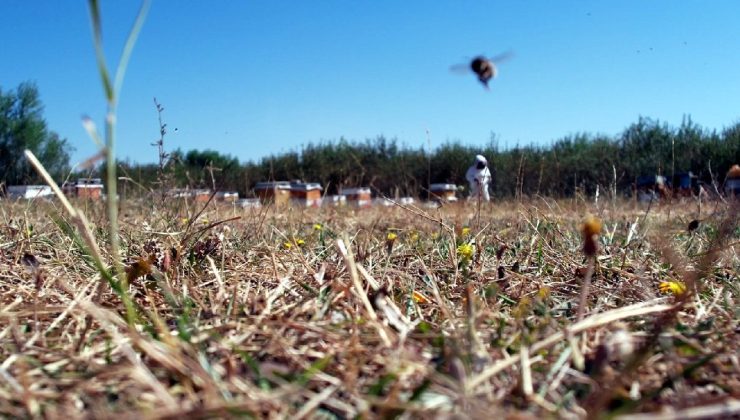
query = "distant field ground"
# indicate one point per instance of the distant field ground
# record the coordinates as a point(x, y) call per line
point(381, 312)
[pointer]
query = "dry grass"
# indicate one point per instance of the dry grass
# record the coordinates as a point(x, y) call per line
point(320, 313)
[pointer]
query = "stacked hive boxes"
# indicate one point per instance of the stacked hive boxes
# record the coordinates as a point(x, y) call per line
point(84, 188)
point(358, 197)
point(305, 194)
point(277, 192)
point(443, 192)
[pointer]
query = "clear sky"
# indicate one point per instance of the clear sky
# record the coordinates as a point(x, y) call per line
point(253, 78)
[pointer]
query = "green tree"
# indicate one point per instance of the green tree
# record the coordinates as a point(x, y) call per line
point(209, 167)
point(646, 148)
point(22, 126)
point(581, 162)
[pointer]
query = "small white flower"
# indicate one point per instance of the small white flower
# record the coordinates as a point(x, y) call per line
point(621, 345)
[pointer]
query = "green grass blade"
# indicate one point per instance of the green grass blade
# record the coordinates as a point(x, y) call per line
point(129, 46)
point(99, 53)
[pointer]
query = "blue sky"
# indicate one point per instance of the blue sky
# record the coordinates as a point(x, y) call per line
point(253, 78)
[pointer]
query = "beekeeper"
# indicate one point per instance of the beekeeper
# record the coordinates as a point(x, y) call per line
point(479, 176)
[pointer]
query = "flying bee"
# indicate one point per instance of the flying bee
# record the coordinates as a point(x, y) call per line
point(484, 67)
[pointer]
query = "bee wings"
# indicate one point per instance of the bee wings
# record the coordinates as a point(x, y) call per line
point(500, 58)
point(464, 68)
point(460, 68)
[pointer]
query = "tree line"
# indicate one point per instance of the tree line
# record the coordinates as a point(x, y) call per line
point(22, 126)
point(579, 162)
point(575, 163)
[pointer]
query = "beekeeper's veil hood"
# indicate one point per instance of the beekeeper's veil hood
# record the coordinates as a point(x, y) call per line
point(480, 161)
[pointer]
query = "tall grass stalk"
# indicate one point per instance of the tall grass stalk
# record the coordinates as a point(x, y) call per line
point(87, 239)
point(112, 94)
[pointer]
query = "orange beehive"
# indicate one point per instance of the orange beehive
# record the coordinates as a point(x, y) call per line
point(247, 203)
point(68, 188)
point(91, 188)
point(305, 194)
point(358, 197)
point(201, 196)
point(227, 196)
point(273, 191)
point(336, 200)
point(443, 192)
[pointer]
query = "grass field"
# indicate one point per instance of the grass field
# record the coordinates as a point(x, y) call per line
point(385, 312)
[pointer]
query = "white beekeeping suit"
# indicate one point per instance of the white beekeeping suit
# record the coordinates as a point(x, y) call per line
point(479, 176)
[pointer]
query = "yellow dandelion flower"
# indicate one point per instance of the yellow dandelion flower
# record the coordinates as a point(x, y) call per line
point(522, 309)
point(287, 245)
point(390, 239)
point(414, 237)
point(543, 293)
point(591, 226)
point(675, 287)
point(419, 297)
point(591, 229)
point(317, 227)
point(465, 231)
point(466, 251)
point(300, 242)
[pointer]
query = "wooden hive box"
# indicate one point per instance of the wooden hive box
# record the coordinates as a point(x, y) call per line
point(684, 184)
point(306, 194)
point(247, 203)
point(358, 197)
point(273, 191)
point(179, 193)
point(227, 196)
point(28, 191)
point(91, 188)
point(650, 187)
point(69, 189)
point(443, 192)
point(336, 200)
point(201, 196)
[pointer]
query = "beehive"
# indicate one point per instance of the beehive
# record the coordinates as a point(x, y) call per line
point(358, 197)
point(227, 196)
point(273, 191)
point(305, 194)
point(248, 203)
point(336, 200)
point(443, 192)
point(91, 188)
point(201, 196)
point(27, 191)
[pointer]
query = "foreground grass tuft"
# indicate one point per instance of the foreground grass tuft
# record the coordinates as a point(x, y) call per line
point(338, 313)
